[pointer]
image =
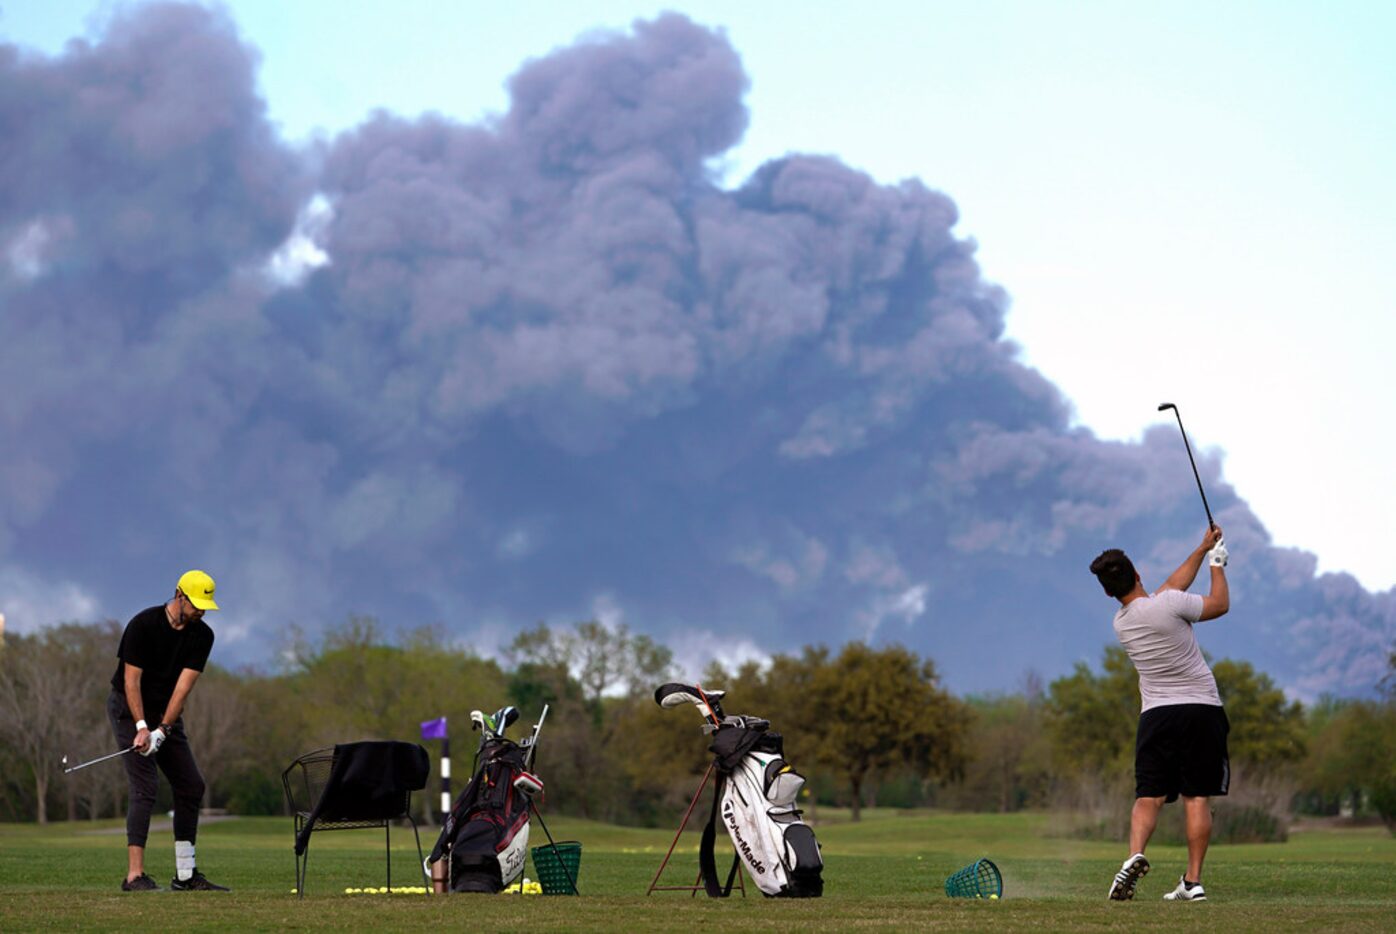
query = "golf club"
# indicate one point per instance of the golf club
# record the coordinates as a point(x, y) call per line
point(709, 703)
point(477, 722)
point(94, 761)
point(530, 786)
point(532, 741)
point(503, 718)
point(1169, 405)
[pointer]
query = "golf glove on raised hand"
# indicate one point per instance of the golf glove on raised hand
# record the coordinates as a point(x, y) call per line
point(157, 736)
point(1218, 555)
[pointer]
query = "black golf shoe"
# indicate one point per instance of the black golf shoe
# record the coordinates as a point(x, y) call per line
point(142, 883)
point(198, 882)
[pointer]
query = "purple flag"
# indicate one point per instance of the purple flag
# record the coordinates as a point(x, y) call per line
point(434, 729)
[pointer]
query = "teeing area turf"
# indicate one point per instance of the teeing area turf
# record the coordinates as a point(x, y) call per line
point(886, 872)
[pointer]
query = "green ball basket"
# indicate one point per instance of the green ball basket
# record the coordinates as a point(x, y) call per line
point(980, 879)
point(552, 874)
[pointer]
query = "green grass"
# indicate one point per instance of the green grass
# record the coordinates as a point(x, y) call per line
point(884, 873)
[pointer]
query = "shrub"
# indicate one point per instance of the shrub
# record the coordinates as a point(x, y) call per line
point(253, 793)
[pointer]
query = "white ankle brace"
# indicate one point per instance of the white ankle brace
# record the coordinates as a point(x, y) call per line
point(184, 860)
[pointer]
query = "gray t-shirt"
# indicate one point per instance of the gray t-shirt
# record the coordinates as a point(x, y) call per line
point(1157, 633)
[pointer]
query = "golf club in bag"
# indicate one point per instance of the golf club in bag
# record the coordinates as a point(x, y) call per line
point(485, 836)
point(755, 799)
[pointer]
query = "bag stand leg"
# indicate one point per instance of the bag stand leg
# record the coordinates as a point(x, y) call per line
point(697, 885)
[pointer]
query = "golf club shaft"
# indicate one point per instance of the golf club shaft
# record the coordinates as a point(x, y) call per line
point(711, 714)
point(1198, 477)
point(533, 743)
point(98, 759)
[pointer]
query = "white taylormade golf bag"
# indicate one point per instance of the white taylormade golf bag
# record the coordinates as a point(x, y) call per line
point(755, 800)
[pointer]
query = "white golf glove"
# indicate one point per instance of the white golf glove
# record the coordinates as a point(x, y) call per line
point(157, 736)
point(1218, 555)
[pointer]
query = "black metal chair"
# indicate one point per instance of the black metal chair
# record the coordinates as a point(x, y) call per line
point(355, 786)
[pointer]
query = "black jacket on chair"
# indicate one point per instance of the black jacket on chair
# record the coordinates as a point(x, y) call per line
point(369, 781)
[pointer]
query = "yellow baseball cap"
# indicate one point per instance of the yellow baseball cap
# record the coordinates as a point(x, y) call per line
point(198, 587)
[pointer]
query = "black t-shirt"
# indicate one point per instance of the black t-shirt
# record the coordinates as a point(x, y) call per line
point(161, 652)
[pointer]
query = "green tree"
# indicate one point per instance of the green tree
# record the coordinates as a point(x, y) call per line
point(866, 716)
point(881, 709)
point(1352, 756)
point(598, 679)
point(1092, 718)
point(1267, 731)
point(1009, 755)
point(360, 682)
point(778, 690)
point(604, 659)
point(363, 684)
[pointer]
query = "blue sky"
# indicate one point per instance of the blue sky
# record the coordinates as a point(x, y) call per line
point(745, 327)
point(1187, 202)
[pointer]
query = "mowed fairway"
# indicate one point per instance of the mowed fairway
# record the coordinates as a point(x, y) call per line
point(884, 873)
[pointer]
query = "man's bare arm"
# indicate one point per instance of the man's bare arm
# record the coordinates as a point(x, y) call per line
point(133, 692)
point(1182, 578)
point(132, 683)
point(183, 686)
point(1218, 601)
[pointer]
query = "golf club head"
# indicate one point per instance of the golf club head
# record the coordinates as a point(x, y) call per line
point(1188, 447)
point(477, 720)
point(503, 717)
point(674, 694)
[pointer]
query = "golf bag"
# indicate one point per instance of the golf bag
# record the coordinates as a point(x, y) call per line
point(755, 799)
point(486, 834)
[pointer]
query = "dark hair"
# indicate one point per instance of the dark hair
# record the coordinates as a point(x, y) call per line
point(1115, 572)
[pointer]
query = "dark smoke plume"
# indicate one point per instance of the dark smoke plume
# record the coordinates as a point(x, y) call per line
point(553, 369)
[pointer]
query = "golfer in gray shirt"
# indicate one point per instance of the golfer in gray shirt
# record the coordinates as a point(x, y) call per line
point(1180, 748)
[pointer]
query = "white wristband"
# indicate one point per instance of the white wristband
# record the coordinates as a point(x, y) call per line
point(141, 725)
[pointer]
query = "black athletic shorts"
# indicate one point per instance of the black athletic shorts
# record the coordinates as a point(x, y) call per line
point(1181, 749)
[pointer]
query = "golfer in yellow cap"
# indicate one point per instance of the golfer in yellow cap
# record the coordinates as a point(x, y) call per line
point(163, 651)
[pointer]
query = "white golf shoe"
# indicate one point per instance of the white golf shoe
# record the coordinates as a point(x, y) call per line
point(1131, 871)
point(1186, 893)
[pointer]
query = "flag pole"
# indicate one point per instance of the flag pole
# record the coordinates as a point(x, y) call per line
point(436, 729)
point(445, 777)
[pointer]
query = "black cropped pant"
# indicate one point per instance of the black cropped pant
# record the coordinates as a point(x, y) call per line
point(174, 758)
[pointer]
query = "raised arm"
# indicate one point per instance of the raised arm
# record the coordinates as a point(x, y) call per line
point(1182, 578)
point(1218, 601)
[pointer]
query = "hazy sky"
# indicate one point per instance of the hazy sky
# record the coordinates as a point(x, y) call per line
point(1190, 202)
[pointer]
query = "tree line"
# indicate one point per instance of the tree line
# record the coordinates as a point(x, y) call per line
point(869, 725)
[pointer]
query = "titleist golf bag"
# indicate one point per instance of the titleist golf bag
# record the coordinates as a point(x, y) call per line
point(486, 834)
point(755, 801)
